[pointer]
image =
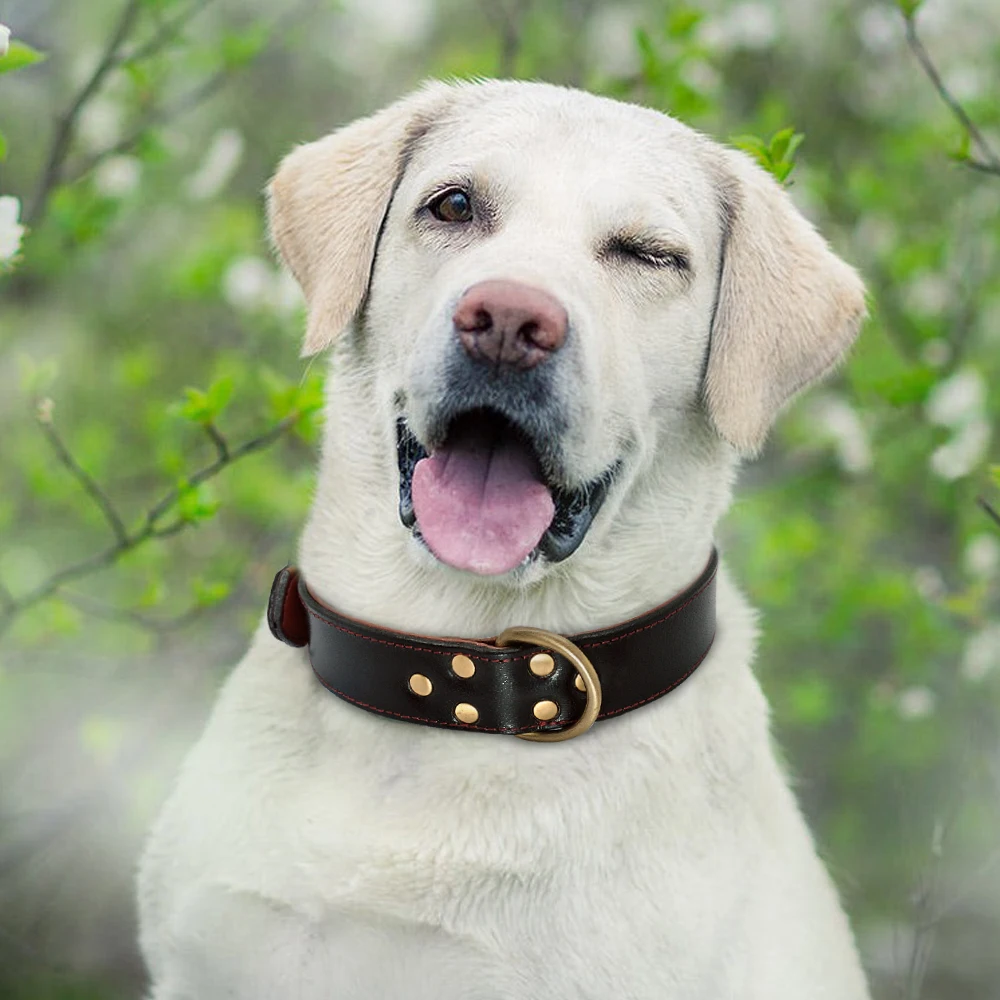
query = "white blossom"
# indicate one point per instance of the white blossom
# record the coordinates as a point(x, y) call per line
point(916, 702)
point(4, 39)
point(957, 399)
point(117, 176)
point(982, 555)
point(928, 583)
point(982, 653)
point(223, 157)
point(744, 26)
point(839, 422)
point(964, 452)
point(10, 230)
point(936, 353)
point(879, 28)
point(248, 282)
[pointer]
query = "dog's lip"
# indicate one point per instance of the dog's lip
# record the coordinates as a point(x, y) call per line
point(575, 507)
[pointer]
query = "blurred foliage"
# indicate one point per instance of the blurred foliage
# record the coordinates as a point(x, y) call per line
point(145, 315)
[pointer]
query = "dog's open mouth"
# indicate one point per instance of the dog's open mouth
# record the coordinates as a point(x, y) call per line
point(481, 500)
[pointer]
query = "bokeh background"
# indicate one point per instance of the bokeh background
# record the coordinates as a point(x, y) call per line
point(157, 428)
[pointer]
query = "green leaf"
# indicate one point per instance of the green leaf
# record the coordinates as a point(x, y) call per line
point(995, 474)
point(243, 47)
point(18, 56)
point(3, 147)
point(909, 7)
point(209, 592)
point(195, 503)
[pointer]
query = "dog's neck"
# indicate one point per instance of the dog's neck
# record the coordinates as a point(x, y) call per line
point(357, 557)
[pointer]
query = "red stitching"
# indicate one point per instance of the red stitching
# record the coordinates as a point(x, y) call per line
point(666, 690)
point(510, 659)
point(416, 649)
point(518, 729)
point(659, 621)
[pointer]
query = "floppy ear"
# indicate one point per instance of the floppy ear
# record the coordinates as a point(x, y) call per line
point(327, 202)
point(787, 311)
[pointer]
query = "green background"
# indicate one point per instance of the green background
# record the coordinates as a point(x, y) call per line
point(146, 307)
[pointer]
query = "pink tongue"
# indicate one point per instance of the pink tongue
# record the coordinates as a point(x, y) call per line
point(480, 502)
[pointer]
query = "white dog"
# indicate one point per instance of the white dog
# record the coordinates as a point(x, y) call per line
point(557, 321)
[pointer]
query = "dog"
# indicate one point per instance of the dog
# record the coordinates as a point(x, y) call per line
point(557, 323)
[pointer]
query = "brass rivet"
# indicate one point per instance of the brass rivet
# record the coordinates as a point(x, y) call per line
point(420, 685)
point(580, 686)
point(545, 710)
point(542, 664)
point(465, 712)
point(462, 665)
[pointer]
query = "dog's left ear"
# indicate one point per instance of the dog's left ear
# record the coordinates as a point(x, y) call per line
point(788, 307)
point(327, 202)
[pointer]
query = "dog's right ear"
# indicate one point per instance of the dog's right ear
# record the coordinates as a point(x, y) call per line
point(327, 202)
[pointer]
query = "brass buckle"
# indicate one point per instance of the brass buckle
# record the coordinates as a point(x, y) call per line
point(592, 683)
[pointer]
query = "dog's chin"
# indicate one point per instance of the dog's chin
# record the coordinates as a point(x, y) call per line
point(482, 500)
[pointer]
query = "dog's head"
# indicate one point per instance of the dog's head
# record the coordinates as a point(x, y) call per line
point(554, 293)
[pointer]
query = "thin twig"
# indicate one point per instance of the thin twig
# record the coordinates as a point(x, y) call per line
point(66, 127)
point(127, 616)
point(166, 33)
point(158, 116)
point(90, 486)
point(990, 160)
point(150, 528)
point(217, 438)
point(991, 511)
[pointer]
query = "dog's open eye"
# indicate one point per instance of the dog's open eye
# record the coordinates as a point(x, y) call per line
point(452, 205)
point(649, 252)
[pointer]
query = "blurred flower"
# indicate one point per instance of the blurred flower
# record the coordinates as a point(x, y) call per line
point(4, 39)
point(286, 296)
point(957, 399)
point(928, 583)
point(959, 456)
point(10, 230)
point(611, 41)
point(252, 284)
point(220, 163)
point(936, 353)
point(100, 123)
point(839, 422)
point(879, 28)
point(928, 292)
point(247, 283)
point(117, 176)
point(959, 402)
point(743, 26)
point(916, 703)
point(982, 555)
point(982, 653)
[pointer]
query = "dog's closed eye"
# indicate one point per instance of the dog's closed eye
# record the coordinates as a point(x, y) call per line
point(645, 250)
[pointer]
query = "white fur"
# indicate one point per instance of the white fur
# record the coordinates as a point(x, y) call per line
point(311, 850)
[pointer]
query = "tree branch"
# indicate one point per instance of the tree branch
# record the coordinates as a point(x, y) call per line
point(168, 30)
point(90, 486)
point(150, 528)
point(991, 512)
point(66, 125)
point(158, 116)
point(988, 160)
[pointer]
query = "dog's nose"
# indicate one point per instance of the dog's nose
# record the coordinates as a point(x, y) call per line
point(510, 324)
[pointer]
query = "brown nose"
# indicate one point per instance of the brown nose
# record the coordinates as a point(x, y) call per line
point(507, 323)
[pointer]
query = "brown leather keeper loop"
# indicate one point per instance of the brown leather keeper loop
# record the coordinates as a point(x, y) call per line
point(286, 617)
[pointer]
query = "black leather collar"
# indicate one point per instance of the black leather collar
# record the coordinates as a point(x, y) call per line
point(502, 689)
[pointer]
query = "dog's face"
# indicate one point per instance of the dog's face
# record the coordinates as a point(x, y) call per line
point(555, 294)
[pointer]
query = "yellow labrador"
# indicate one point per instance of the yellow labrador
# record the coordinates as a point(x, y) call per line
point(556, 323)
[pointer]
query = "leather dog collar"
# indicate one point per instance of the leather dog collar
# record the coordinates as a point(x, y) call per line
point(525, 682)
